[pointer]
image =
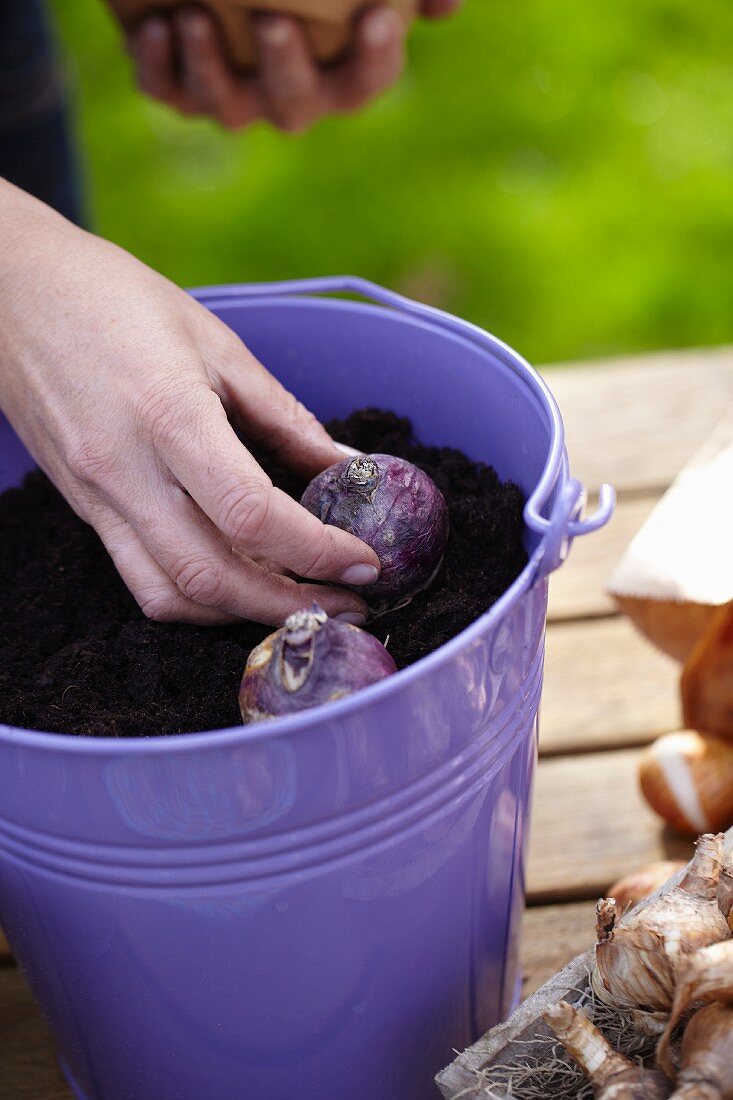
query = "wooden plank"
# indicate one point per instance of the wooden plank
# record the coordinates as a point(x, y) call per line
point(590, 825)
point(28, 1068)
point(578, 589)
point(635, 422)
point(552, 935)
point(605, 686)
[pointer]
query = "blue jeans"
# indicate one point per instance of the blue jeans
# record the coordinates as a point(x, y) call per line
point(36, 145)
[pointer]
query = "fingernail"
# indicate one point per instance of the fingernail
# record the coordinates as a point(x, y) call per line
point(359, 574)
point(380, 28)
point(353, 617)
point(274, 29)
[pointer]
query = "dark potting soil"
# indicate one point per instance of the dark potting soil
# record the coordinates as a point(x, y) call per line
point(77, 655)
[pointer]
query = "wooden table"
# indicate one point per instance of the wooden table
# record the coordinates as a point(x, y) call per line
point(607, 693)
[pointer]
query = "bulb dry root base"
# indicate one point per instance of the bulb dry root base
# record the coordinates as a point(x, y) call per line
point(77, 655)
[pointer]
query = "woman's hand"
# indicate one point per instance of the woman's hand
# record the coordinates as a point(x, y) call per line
point(180, 60)
point(120, 384)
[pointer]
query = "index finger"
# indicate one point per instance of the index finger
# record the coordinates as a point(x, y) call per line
point(203, 453)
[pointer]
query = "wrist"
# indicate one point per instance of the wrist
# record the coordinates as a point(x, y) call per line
point(28, 230)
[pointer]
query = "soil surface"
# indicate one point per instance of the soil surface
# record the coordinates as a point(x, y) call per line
point(77, 655)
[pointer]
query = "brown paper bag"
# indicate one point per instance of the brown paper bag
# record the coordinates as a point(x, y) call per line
point(707, 678)
point(327, 23)
point(678, 570)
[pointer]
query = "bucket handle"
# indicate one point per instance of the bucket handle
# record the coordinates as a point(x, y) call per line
point(566, 520)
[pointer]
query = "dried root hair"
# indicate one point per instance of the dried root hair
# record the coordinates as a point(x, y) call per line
point(613, 1076)
point(540, 1068)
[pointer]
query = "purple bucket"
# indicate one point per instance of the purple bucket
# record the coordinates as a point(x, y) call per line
point(328, 904)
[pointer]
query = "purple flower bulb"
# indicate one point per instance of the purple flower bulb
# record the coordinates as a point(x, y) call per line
point(396, 509)
point(309, 661)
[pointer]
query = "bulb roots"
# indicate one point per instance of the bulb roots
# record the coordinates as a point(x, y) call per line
point(613, 1076)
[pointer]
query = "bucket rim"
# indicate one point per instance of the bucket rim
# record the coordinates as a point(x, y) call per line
point(554, 474)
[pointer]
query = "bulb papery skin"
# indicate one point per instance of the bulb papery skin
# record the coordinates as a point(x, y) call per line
point(637, 959)
point(725, 893)
point(309, 661)
point(705, 975)
point(706, 1069)
point(695, 1089)
point(395, 508)
point(613, 1076)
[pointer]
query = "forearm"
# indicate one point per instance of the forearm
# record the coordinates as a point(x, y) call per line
point(33, 238)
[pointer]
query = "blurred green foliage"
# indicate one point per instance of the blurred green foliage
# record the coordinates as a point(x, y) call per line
point(558, 171)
